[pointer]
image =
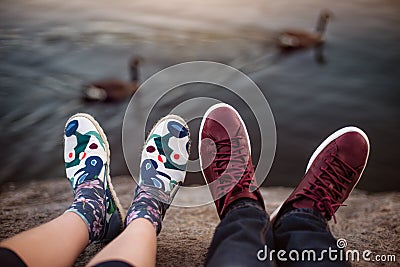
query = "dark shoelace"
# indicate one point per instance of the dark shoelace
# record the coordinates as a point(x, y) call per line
point(329, 186)
point(232, 165)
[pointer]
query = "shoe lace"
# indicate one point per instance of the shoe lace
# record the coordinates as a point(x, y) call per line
point(237, 161)
point(328, 187)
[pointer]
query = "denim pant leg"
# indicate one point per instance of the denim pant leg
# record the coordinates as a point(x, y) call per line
point(239, 236)
point(305, 229)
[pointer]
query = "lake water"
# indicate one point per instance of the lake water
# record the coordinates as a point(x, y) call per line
point(48, 49)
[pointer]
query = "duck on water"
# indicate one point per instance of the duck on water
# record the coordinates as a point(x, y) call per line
point(293, 39)
point(113, 90)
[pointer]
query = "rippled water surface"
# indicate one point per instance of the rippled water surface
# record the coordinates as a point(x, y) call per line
point(48, 49)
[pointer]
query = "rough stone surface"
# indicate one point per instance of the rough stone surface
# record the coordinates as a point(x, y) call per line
point(371, 221)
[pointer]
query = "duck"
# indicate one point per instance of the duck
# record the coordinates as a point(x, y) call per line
point(113, 90)
point(295, 39)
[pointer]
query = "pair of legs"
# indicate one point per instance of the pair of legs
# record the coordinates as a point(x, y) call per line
point(60, 241)
point(96, 214)
point(245, 228)
point(297, 234)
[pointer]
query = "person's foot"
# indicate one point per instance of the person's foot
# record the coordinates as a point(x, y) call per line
point(162, 170)
point(332, 172)
point(225, 158)
point(87, 163)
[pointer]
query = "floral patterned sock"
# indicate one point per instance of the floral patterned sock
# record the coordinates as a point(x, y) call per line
point(89, 204)
point(144, 205)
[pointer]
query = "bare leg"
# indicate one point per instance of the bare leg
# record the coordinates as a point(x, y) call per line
point(136, 246)
point(56, 243)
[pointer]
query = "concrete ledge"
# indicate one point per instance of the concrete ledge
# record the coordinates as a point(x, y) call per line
point(370, 221)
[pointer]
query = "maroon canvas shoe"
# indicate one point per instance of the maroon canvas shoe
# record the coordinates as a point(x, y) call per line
point(332, 172)
point(225, 157)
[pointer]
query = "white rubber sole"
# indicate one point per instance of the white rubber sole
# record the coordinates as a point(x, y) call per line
point(212, 108)
point(118, 205)
point(321, 147)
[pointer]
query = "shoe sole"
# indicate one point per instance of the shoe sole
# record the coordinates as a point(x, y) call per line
point(321, 147)
point(212, 108)
point(118, 205)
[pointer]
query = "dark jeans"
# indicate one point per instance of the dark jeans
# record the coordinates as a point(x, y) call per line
point(245, 237)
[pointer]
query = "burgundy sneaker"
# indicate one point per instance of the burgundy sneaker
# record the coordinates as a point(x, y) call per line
point(225, 157)
point(332, 172)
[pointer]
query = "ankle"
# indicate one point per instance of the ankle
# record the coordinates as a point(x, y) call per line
point(89, 205)
point(300, 206)
point(146, 206)
point(242, 203)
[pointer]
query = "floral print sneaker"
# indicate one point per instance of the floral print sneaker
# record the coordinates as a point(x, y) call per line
point(87, 163)
point(162, 170)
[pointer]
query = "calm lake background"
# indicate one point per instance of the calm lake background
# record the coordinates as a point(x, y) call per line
point(48, 49)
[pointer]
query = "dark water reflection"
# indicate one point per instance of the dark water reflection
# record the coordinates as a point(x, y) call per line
point(48, 49)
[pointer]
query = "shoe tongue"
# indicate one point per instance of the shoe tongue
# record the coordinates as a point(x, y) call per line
point(225, 149)
point(218, 132)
